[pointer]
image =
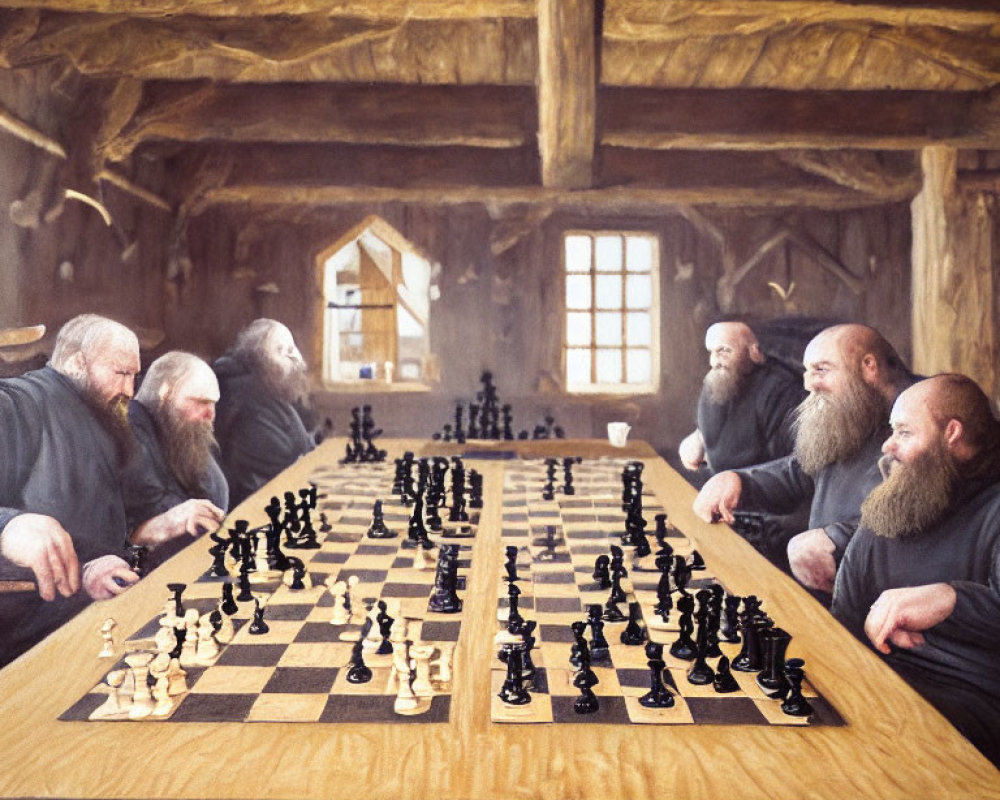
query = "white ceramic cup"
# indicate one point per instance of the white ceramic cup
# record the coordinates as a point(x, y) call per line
point(618, 433)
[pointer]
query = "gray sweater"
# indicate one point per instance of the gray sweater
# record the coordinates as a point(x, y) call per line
point(958, 667)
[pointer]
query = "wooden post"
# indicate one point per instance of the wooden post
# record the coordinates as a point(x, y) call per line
point(954, 278)
point(567, 92)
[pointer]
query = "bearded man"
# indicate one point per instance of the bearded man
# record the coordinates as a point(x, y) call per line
point(174, 487)
point(921, 577)
point(852, 375)
point(65, 439)
point(260, 431)
point(744, 412)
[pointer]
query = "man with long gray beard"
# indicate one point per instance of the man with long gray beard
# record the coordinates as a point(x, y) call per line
point(744, 411)
point(260, 432)
point(852, 375)
point(174, 487)
point(921, 578)
point(65, 439)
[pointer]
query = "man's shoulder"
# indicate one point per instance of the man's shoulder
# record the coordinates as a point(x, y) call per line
point(37, 387)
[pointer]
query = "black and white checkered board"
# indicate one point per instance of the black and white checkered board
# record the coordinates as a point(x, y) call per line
point(559, 541)
point(297, 671)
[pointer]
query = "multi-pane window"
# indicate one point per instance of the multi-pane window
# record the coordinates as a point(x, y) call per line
point(611, 341)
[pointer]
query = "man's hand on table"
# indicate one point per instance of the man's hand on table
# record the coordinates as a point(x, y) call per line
point(41, 544)
point(718, 497)
point(107, 576)
point(810, 558)
point(899, 616)
point(194, 517)
point(692, 451)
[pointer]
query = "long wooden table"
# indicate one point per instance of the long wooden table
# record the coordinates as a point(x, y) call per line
point(894, 745)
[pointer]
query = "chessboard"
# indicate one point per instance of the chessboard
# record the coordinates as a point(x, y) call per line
point(299, 670)
point(555, 538)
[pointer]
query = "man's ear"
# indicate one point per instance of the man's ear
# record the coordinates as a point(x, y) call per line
point(756, 354)
point(870, 370)
point(954, 433)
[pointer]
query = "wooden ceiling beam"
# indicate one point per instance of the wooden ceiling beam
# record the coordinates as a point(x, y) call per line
point(490, 117)
point(384, 9)
point(567, 91)
point(624, 200)
point(759, 119)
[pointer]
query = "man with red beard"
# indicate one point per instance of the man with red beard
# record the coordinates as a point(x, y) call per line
point(174, 488)
point(260, 431)
point(745, 404)
point(65, 439)
point(852, 375)
point(921, 577)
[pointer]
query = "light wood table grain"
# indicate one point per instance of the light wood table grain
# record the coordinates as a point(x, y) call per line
point(894, 745)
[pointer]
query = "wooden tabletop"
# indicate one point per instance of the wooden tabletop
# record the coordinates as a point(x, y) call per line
point(894, 745)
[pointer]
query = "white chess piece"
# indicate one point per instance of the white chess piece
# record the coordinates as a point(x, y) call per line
point(420, 657)
point(142, 701)
point(159, 668)
point(190, 646)
point(207, 648)
point(443, 662)
point(113, 706)
point(340, 615)
point(108, 648)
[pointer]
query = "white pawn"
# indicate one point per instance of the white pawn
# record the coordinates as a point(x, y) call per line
point(159, 669)
point(208, 647)
point(108, 648)
point(420, 655)
point(443, 662)
point(420, 560)
point(142, 701)
point(190, 646)
point(227, 631)
point(357, 609)
point(165, 639)
point(113, 706)
point(340, 615)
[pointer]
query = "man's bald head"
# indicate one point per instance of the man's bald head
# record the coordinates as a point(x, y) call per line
point(175, 374)
point(864, 352)
point(733, 352)
point(89, 335)
point(959, 409)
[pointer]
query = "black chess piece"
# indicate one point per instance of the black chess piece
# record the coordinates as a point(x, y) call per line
point(258, 626)
point(750, 657)
point(601, 572)
point(137, 556)
point(298, 573)
point(579, 646)
point(658, 696)
point(772, 677)
point(664, 599)
point(587, 702)
point(728, 631)
point(378, 529)
point(681, 574)
point(178, 590)
point(795, 705)
point(359, 671)
point(513, 691)
point(527, 632)
point(218, 553)
point(384, 622)
point(700, 672)
point(513, 614)
point(724, 682)
point(697, 563)
point(635, 631)
point(599, 647)
point(228, 602)
point(444, 597)
point(684, 647)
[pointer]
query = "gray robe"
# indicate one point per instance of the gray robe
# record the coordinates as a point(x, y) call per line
point(835, 494)
point(150, 487)
point(259, 434)
point(958, 667)
point(57, 460)
point(755, 425)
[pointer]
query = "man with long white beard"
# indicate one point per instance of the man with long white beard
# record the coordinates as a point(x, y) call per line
point(745, 405)
point(852, 375)
point(921, 577)
point(260, 432)
point(65, 439)
point(174, 487)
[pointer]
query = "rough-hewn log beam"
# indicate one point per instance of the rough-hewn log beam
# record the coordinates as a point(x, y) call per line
point(777, 120)
point(463, 50)
point(953, 288)
point(567, 92)
point(384, 9)
point(478, 116)
point(614, 200)
point(863, 171)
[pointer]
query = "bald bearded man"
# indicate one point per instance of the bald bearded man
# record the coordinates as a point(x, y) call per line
point(744, 411)
point(852, 375)
point(174, 487)
point(921, 578)
point(65, 439)
point(259, 430)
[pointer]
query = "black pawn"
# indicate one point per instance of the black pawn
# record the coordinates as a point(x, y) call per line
point(684, 647)
point(359, 671)
point(635, 631)
point(378, 529)
point(599, 648)
point(724, 682)
point(658, 696)
point(258, 626)
point(384, 627)
point(298, 573)
point(795, 705)
point(228, 602)
point(587, 702)
point(513, 691)
point(601, 572)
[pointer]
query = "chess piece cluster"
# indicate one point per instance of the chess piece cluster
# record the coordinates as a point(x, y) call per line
point(429, 493)
point(488, 418)
point(516, 641)
point(361, 448)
